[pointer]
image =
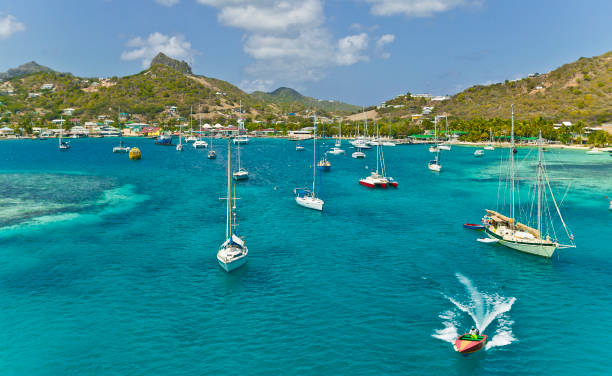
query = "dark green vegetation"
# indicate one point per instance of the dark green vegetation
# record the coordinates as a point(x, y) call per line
point(181, 66)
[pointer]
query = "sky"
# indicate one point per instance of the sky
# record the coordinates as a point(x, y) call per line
point(357, 51)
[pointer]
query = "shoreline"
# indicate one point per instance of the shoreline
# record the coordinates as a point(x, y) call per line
point(584, 147)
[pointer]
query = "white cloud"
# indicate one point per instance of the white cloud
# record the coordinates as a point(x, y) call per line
point(9, 25)
point(145, 49)
point(256, 85)
point(351, 48)
point(167, 3)
point(415, 8)
point(385, 39)
point(288, 40)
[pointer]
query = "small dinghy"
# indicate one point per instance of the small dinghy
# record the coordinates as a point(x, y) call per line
point(487, 240)
point(467, 343)
point(473, 226)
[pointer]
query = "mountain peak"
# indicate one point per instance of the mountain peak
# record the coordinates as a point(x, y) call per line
point(24, 69)
point(181, 66)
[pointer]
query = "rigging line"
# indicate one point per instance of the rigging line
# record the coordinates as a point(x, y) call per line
point(557, 207)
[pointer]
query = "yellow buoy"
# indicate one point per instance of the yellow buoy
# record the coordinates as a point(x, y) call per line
point(135, 154)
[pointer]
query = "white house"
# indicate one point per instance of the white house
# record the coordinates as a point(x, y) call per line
point(6, 131)
point(68, 111)
point(47, 87)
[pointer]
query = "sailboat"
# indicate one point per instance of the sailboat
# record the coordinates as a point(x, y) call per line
point(198, 144)
point(358, 154)
point(211, 153)
point(63, 145)
point(490, 145)
point(434, 165)
point(360, 142)
point(191, 137)
point(299, 147)
point(434, 148)
point(521, 236)
point(337, 146)
point(377, 178)
point(324, 165)
point(304, 196)
point(233, 252)
point(179, 146)
point(241, 173)
point(445, 146)
point(121, 148)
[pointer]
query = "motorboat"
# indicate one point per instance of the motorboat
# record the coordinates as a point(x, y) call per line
point(479, 153)
point(467, 344)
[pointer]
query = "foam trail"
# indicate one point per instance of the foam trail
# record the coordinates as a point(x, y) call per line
point(449, 332)
point(484, 309)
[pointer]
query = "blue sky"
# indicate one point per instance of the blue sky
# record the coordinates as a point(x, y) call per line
point(357, 51)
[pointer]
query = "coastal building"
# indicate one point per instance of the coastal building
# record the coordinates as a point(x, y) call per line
point(264, 132)
point(6, 131)
point(79, 131)
point(68, 111)
point(58, 122)
point(34, 95)
point(302, 134)
point(47, 87)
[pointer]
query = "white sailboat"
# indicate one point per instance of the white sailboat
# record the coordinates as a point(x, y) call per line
point(434, 165)
point(434, 148)
point(179, 146)
point(63, 145)
point(479, 153)
point(241, 173)
point(336, 150)
point(304, 196)
point(191, 138)
point(445, 146)
point(490, 145)
point(233, 252)
point(378, 178)
point(212, 154)
point(524, 237)
point(121, 148)
point(199, 143)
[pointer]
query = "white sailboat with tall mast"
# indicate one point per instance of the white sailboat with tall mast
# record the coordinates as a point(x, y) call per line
point(199, 143)
point(337, 146)
point(536, 236)
point(304, 196)
point(434, 148)
point(241, 173)
point(490, 145)
point(233, 252)
point(445, 146)
point(179, 146)
point(378, 178)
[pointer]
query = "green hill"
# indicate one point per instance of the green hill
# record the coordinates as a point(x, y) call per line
point(578, 91)
point(24, 69)
point(147, 96)
point(289, 98)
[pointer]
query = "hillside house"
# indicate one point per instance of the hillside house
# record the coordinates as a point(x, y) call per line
point(47, 86)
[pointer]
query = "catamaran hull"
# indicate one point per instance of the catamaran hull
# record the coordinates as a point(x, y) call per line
point(233, 265)
point(368, 184)
point(542, 250)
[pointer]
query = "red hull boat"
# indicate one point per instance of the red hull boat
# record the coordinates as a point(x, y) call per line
point(473, 226)
point(467, 344)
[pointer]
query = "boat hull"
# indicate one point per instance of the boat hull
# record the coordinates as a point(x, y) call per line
point(369, 184)
point(324, 168)
point(468, 346)
point(542, 250)
point(232, 265)
point(240, 176)
point(310, 203)
point(473, 226)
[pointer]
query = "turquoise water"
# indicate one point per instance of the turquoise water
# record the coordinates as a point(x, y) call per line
point(108, 266)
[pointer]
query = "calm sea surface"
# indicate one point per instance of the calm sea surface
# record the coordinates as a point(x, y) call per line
point(108, 266)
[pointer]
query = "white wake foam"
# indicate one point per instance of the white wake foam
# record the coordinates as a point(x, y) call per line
point(483, 309)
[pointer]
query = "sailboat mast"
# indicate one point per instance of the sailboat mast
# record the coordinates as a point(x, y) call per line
point(512, 165)
point(377, 148)
point(539, 183)
point(229, 189)
point(314, 156)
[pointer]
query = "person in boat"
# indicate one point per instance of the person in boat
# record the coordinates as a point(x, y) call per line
point(474, 333)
